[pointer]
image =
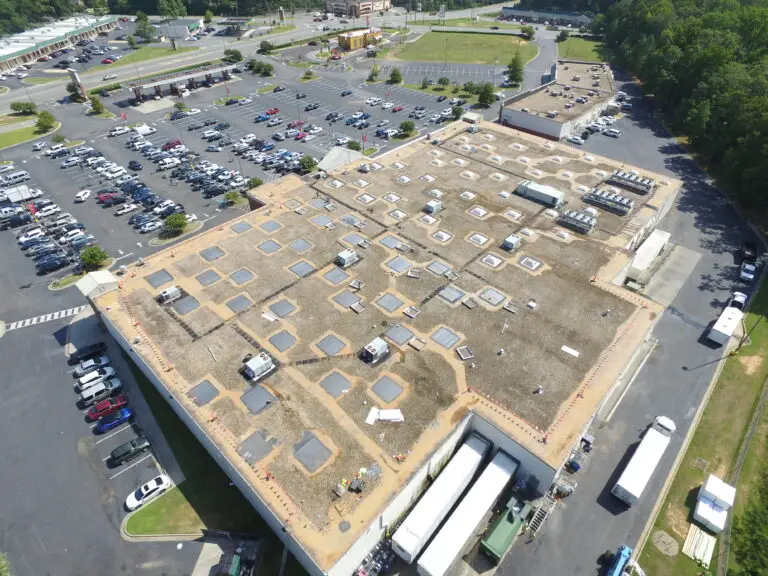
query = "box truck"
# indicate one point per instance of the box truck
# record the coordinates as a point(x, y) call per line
point(638, 472)
point(729, 319)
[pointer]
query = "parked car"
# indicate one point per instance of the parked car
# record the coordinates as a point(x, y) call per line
point(94, 377)
point(86, 352)
point(147, 492)
point(129, 450)
point(113, 420)
point(90, 365)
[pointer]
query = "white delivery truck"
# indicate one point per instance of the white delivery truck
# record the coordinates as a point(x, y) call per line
point(434, 505)
point(638, 472)
point(729, 320)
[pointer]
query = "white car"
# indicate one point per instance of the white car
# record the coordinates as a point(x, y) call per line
point(124, 178)
point(125, 208)
point(147, 492)
point(387, 105)
point(71, 161)
point(150, 226)
point(342, 140)
point(69, 236)
point(314, 130)
point(95, 377)
point(446, 112)
point(245, 101)
point(162, 206)
point(309, 137)
point(48, 211)
point(36, 233)
point(576, 140)
point(89, 365)
point(747, 272)
point(237, 182)
point(21, 75)
point(83, 150)
point(190, 218)
point(94, 161)
point(119, 131)
point(82, 196)
point(193, 111)
point(213, 148)
point(382, 124)
point(109, 76)
point(53, 149)
point(435, 118)
point(39, 146)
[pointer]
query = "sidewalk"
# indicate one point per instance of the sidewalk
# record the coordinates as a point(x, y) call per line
point(84, 330)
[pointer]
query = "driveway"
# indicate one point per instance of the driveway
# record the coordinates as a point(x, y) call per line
point(671, 383)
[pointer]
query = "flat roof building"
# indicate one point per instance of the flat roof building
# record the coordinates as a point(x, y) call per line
point(358, 39)
point(473, 330)
point(577, 96)
point(357, 8)
point(30, 45)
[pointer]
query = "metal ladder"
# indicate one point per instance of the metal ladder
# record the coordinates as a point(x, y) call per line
point(542, 512)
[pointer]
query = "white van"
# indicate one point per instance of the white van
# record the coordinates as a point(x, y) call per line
point(53, 149)
point(82, 196)
point(613, 132)
point(115, 172)
point(48, 211)
point(16, 178)
point(168, 163)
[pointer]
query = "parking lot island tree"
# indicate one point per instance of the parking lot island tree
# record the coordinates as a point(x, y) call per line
point(208, 17)
point(528, 32)
point(255, 182)
point(175, 223)
point(265, 47)
point(486, 96)
point(131, 39)
point(407, 127)
point(58, 138)
point(457, 112)
point(25, 108)
point(444, 81)
point(308, 164)
point(232, 56)
point(516, 69)
point(93, 257)
point(395, 77)
point(97, 106)
point(261, 68)
point(354, 145)
point(45, 122)
point(5, 566)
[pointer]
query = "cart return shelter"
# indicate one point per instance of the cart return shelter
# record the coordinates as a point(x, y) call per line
point(26, 47)
point(177, 80)
point(468, 334)
point(578, 94)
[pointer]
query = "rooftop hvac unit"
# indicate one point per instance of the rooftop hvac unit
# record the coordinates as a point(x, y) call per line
point(512, 242)
point(433, 206)
point(610, 201)
point(581, 222)
point(632, 182)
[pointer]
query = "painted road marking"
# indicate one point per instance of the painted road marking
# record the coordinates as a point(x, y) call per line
point(139, 461)
point(43, 318)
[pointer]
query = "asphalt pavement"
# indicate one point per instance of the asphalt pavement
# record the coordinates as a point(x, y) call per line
point(672, 382)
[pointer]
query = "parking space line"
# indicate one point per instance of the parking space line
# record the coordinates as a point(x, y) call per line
point(131, 466)
point(123, 429)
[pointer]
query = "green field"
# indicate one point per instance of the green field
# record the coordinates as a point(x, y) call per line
point(22, 135)
point(142, 55)
point(16, 118)
point(467, 23)
point(42, 80)
point(715, 445)
point(580, 49)
point(206, 498)
point(463, 48)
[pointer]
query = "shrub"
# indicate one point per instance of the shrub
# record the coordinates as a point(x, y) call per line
point(45, 122)
point(175, 223)
point(24, 107)
point(93, 257)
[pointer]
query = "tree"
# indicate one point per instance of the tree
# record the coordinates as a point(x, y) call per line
point(99, 7)
point(395, 77)
point(516, 69)
point(470, 87)
point(308, 74)
point(265, 47)
point(598, 24)
point(354, 145)
point(58, 138)
point(93, 257)
point(308, 164)
point(171, 8)
point(180, 106)
point(97, 105)
point(74, 91)
point(175, 223)
point(424, 83)
point(255, 182)
point(443, 81)
point(208, 17)
point(25, 108)
point(457, 112)
point(143, 28)
point(231, 197)
point(131, 39)
point(232, 56)
point(5, 566)
point(750, 536)
point(528, 32)
point(563, 36)
point(486, 96)
point(407, 127)
point(374, 73)
point(45, 122)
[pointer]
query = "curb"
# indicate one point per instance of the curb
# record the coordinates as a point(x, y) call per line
point(159, 538)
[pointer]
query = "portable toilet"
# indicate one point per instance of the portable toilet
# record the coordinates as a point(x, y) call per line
point(512, 242)
point(433, 206)
point(346, 258)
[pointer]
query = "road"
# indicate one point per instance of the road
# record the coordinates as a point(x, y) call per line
point(671, 383)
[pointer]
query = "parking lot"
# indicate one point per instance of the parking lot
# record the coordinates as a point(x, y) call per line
point(57, 474)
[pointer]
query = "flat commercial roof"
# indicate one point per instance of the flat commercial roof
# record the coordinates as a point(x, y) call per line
point(575, 80)
point(30, 40)
point(472, 327)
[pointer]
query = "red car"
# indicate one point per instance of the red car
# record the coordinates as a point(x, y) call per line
point(101, 198)
point(398, 108)
point(295, 123)
point(101, 409)
point(273, 111)
point(301, 135)
point(107, 61)
point(43, 59)
point(170, 144)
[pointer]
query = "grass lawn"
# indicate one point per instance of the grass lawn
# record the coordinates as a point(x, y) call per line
point(143, 54)
point(718, 437)
point(66, 281)
point(223, 101)
point(464, 48)
point(467, 23)
point(369, 151)
point(205, 499)
point(42, 80)
point(73, 143)
point(580, 49)
point(15, 118)
point(266, 89)
point(302, 64)
point(447, 92)
point(14, 137)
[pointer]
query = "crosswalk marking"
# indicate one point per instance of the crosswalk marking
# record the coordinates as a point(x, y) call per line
point(43, 318)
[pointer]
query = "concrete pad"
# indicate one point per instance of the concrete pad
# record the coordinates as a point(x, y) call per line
point(241, 276)
point(670, 277)
point(186, 305)
point(254, 448)
point(399, 334)
point(283, 340)
point(346, 299)
point(311, 452)
point(399, 264)
point(331, 345)
point(282, 308)
point(241, 227)
point(321, 220)
point(214, 252)
point(335, 384)
point(203, 393)
point(157, 279)
point(208, 277)
point(389, 302)
point(387, 389)
point(300, 245)
point(390, 242)
point(451, 294)
point(446, 338)
point(336, 276)
point(271, 226)
point(353, 239)
point(239, 303)
point(302, 268)
point(438, 267)
point(493, 297)
point(258, 399)
point(269, 247)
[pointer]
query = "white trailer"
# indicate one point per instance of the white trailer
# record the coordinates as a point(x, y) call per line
point(726, 325)
point(464, 521)
point(638, 472)
point(21, 192)
point(438, 500)
point(546, 195)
